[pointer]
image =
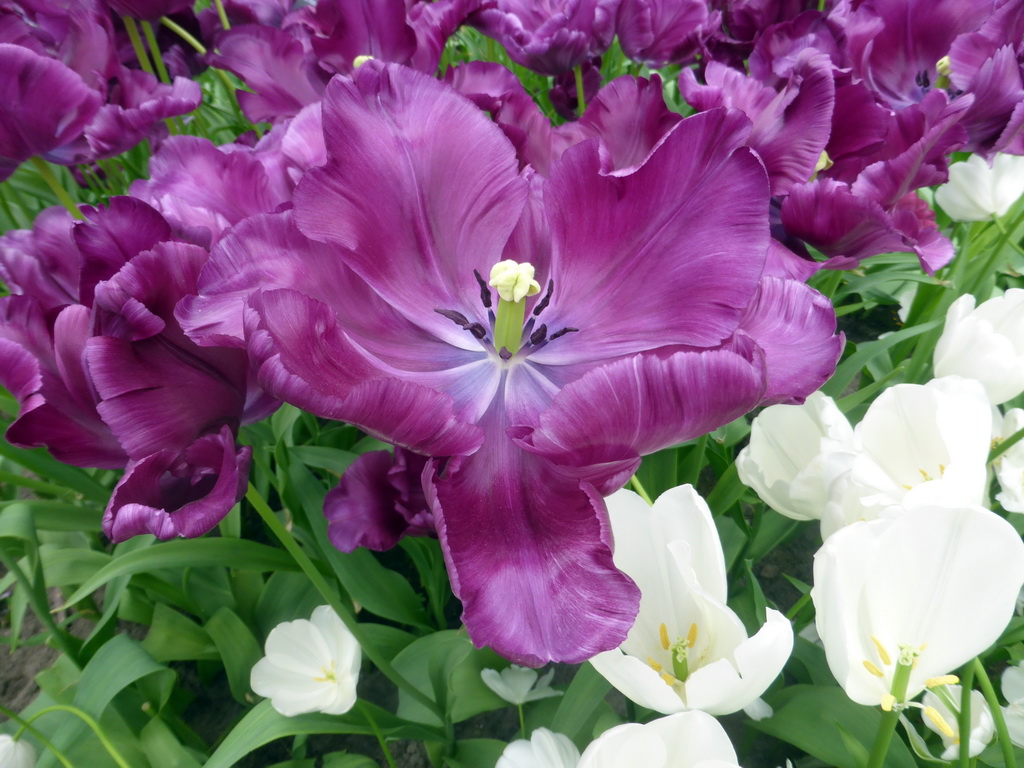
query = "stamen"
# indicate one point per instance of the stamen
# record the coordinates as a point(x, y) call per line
point(935, 682)
point(461, 320)
point(329, 675)
point(654, 665)
point(485, 291)
point(873, 669)
point(663, 636)
point(562, 332)
point(543, 303)
point(669, 680)
point(882, 653)
point(933, 714)
point(504, 354)
point(887, 702)
point(925, 475)
point(539, 335)
point(691, 636)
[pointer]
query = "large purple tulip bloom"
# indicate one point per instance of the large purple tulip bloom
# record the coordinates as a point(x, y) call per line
point(641, 338)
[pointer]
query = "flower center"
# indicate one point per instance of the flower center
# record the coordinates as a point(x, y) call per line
point(679, 655)
point(514, 283)
point(329, 675)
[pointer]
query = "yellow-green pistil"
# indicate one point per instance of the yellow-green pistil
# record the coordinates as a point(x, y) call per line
point(514, 283)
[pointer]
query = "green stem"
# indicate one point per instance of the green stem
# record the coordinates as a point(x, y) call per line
point(331, 596)
point(56, 187)
point(964, 718)
point(522, 720)
point(154, 48)
point(798, 606)
point(140, 51)
point(639, 488)
point(581, 101)
point(27, 726)
point(184, 34)
point(27, 482)
point(39, 605)
point(376, 732)
point(222, 14)
point(1009, 758)
point(889, 719)
point(93, 725)
point(1005, 445)
point(1008, 237)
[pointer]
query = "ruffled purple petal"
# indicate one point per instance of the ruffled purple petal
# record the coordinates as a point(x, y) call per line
point(659, 33)
point(529, 556)
point(42, 262)
point(342, 31)
point(795, 327)
point(791, 127)
point(179, 493)
point(602, 423)
point(135, 108)
point(55, 394)
point(419, 190)
point(198, 186)
point(378, 501)
point(46, 106)
point(670, 254)
point(111, 236)
point(282, 76)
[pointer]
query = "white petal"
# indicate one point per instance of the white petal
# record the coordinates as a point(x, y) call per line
point(937, 577)
point(637, 681)
point(683, 740)
point(545, 749)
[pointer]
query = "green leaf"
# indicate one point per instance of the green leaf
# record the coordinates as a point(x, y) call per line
point(66, 567)
point(866, 352)
point(184, 553)
point(733, 540)
point(175, 637)
point(332, 459)
point(376, 588)
point(427, 663)
point(61, 516)
point(814, 719)
point(237, 647)
point(345, 760)
point(162, 747)
point(581, 701)
point(41, 463)
point(476, 753)
point(286, 597)
point(263, 725)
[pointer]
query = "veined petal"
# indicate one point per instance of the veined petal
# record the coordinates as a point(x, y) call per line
point(638, 405)
point(691, 222)
point(528, 552)
point(420, 188)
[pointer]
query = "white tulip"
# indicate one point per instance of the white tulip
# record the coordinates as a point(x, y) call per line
point(311, 666)
point(16, 754)
point(519, 685)
point(545, 749)
point(1013, 692)
point(1010, 464)
point(686, 649)
point(985, 343)
point(682, 740)
point(917, 444)
point(913, 595)
point(795, 454)
point(947, 724)
point(977, 191)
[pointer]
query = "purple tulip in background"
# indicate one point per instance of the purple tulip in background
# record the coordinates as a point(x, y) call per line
point(550, 37)
point(105, 377)
point(647, 331)
point(660, 32)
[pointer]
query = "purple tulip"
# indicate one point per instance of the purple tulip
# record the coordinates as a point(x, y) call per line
point(550, 37)
point(378, 501)
point(640, 337)
point(660, 32)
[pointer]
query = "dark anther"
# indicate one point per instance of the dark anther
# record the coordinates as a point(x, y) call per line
point(485, 291)
point(460, 319)
point(922, 79)
point(504, 354)
point(456, 317)
point(543, 303)
point(562, 332)
point(539, 335)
